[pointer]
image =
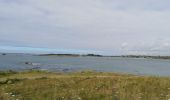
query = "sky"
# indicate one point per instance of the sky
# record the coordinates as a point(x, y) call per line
point(111, 27)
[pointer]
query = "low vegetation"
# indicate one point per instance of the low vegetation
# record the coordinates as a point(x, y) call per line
point(87, 85)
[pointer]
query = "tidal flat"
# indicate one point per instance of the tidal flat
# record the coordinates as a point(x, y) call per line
point(84, 85)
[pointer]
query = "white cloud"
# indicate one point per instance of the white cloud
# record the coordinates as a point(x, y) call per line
point(86, 24)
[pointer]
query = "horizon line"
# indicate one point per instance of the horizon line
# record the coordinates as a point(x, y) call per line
point(45, 50)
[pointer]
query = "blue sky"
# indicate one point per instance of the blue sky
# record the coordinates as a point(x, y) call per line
point(101, 26)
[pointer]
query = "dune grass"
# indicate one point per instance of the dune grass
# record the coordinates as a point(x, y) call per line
point(38, 85)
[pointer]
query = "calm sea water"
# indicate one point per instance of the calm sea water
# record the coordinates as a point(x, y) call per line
point(138, 66)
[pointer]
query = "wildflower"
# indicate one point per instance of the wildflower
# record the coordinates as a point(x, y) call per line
point(117, 92)
point(6, 93)
point(139, 97)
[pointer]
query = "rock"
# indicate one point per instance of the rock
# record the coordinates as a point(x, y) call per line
point(33, 64)
point(66, 70)
point(4, 54)
point(3, 81)
point(10, 82)
point(28, 63)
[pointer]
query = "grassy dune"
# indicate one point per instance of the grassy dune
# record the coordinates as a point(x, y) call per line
point(38, 85)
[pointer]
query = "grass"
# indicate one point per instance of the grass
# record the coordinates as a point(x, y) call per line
point(87, 85)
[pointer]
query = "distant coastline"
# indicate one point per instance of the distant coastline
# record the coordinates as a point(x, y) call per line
point(97, 55)
point(73, 55)
point(146, 56)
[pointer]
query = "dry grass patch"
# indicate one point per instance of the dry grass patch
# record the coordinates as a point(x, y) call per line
point(84, 86)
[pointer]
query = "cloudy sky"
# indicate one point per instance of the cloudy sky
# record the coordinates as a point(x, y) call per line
point(102, 26)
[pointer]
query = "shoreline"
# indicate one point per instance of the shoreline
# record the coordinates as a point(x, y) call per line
point(83, 71)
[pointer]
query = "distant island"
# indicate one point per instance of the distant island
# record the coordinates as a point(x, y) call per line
point(146, 56)
point(59, 55)
point(74, 55)
point(97, 55)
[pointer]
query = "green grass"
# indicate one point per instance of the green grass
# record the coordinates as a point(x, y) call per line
point(87, 85)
